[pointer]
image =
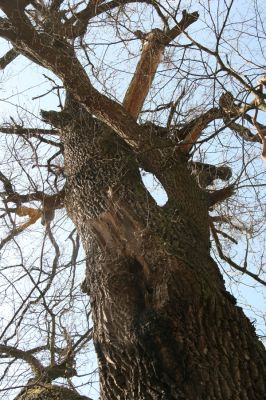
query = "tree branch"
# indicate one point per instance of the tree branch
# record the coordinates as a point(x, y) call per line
point(229, 112)
point(49, 204)
point(206, 174)
point(261, 131)
point(33, 214)
point(36, 366)
point(63, 62)
point(8, 58)
point(220, 195)
point(191, 131)
point(244, 270)
point(152, 52)
point(141, 82)
point(29, 132)
point(48, 201)
point(93, 9)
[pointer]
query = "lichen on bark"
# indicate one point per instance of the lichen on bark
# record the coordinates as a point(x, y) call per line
point(49, 392)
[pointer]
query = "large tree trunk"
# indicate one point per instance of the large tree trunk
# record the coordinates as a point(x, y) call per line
point(164, 326)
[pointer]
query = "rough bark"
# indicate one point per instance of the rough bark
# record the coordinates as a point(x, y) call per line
point(49, 392)
point(165, 328)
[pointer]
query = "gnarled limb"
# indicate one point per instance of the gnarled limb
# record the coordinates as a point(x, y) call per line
point(152, 52)
point(141, 82)
point(55, 5)
point(191, 131)
point(53, 201)
point(33, 213)
point(220, 195)
point(206, 174)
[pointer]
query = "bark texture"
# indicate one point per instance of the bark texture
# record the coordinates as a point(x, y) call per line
point(49, 392)
point(165, 328)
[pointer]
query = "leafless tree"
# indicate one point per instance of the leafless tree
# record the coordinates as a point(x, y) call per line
point(173, 89)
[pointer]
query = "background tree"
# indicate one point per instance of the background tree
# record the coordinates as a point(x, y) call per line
point(181, 97)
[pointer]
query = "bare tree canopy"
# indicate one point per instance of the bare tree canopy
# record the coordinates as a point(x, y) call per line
point(128, 89)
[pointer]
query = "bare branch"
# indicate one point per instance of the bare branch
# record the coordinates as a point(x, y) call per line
point(49, 201)
point(95, 8)
point(32, 361)
point(229, 112)
point(49, 204)
point(261, 131)
point(75, 78)
point(206, 174)
point(244, 270)
point(186, 21)
point(152, 52)
point(193, 129)
point(220, 195)
point(8, 58)
point(32, 213)
point(29, 132)
point(143, 77)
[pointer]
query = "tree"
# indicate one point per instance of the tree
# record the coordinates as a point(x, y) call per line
point(164, 325)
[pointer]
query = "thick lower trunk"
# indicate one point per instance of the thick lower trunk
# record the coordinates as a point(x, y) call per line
point(164, 326)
